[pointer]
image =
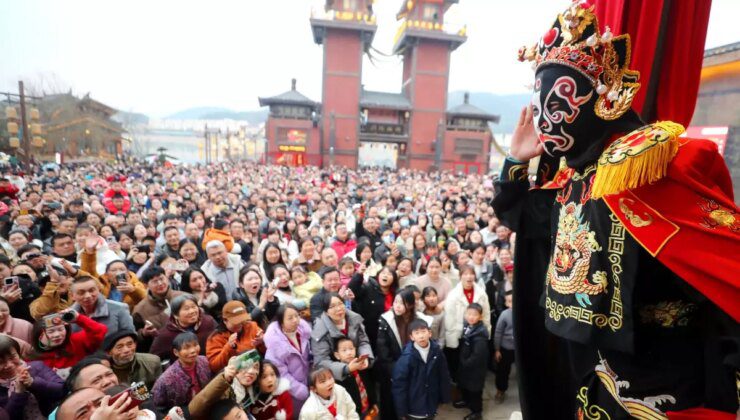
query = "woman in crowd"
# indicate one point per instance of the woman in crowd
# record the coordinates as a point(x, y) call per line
point(237, 382)
point(281, 283)
point(14, 327)
point(211, 296)
point(393, 335)
point(235, 334)
point(335, 321)
point(189, 252)
point(433, 309)
point(419, 254)
point(27, 390)
point(186, 377)
point(448, 270)
point(186, 316)
point(58, 347)
point(308, 257)
point(271, 257)
point(434, 278)
point(274, 400)
point(405, 272)
point(373, 298)
point(287, 341)
point(260, 302)
point(466, 292)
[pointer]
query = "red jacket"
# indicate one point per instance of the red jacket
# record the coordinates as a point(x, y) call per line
point(342, 248)
point(82, 343)
point(279, 400)
point(108, 201)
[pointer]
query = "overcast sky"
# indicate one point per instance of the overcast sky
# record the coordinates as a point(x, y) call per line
point(162, 56)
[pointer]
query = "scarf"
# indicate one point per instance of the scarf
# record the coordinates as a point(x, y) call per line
point(330, 404)
point(364, 400)
point(244, 396)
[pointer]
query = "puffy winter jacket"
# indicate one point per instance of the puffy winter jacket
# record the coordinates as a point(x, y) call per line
point(418, 387)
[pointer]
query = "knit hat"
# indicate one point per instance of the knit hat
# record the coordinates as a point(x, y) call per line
point(114, 338)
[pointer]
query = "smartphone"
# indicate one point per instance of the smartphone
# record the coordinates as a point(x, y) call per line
point(138, 393)
point(181, 266)
point(142, 248)
point(121, 278)
point(111, 239)
point(363, 357)
point(8, 282)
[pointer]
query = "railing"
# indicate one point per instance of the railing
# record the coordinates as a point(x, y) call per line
point(448, 28)
point(345, 16)
point(384, 129)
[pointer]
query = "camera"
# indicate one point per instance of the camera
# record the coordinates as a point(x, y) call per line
point(10, 281)
point(59, 318)
point(44, 277)
point(121, 278)
point(142, 248)
point(138, 393)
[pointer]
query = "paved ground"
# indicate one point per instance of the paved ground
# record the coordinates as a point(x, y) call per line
point(491, 410)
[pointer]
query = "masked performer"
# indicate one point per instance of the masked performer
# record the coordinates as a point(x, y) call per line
point(628, 244)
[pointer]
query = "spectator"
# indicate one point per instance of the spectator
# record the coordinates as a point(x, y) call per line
point(373, 298)
point(152, 313)
point(448, 270)
point(117, 283)
point(27, 390)
point(235, 334)
point(466, 292)
point(421, 380)
point(342, 242)
point(228, 410)
point(503, 343)
point(171, 245)
point(211, 296)
point(56, 294)
point(236, 383)
point(473, 355)
point(330, 283)
point(336, 321)
point(433, 309)
point(190, 253)
point(405, 271)
point(186, 317)
point(91, 372)
point(128, 365)
point(287, 342)
point(273, 400)
point(359, 383)
point(186, 377)
point(58, 347)
point(324, 390)
point(393, 335)
point(271, 258)
point(14, 327)
point(90, 302)
point(219, 233)
point(222, 267)
point(434, 278)
point(308, 257)
point(305, 285)
point(260, 302)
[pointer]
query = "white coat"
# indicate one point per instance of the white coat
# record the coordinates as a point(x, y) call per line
point(313, 409)
point(455, 306)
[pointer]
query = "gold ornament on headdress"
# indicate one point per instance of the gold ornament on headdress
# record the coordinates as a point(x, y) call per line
point(576, 42)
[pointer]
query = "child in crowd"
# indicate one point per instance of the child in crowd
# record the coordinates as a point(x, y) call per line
point(274, 400)
point(432, 308)
point(473, 358)
point(305, 285)
point(347, 269)
point(503, 343)
point(421, 380)
point(328, 400)
point(359, 384)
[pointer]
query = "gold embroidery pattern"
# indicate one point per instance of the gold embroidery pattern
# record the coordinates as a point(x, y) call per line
point(516, 168)
point(634, 219)
point(668, 314)
point(639, 409)
point(557, 311)
point(590, 412)
point(640, 141)
point(569, 265)
point(718, 216)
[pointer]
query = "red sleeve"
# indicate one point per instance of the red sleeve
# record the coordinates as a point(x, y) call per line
point(92, 334)
point(286, 402)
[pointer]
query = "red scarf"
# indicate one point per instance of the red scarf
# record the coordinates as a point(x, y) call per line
point(469, 294)
point(363, 392)
point(388, 302)
point(333, 408)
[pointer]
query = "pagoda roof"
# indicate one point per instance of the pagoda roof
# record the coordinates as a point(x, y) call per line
point(466, 109)
point(387, 100)
point(291, 97)
point(403, 12)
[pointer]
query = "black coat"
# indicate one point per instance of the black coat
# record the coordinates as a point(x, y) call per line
point(370, 303)
point(418, 388)
point(388, 347)
point(474, 356)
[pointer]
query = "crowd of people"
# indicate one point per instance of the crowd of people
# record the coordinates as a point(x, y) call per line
point(235, 291)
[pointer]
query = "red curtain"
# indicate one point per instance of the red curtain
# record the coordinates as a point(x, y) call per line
point(681, 46)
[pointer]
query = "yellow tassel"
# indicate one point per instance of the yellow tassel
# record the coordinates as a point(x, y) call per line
point(639, 158)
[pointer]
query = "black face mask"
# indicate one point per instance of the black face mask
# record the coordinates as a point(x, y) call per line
point(566, 123)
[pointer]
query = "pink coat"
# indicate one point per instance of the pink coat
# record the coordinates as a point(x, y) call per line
point(293, 365)
point(18, 328)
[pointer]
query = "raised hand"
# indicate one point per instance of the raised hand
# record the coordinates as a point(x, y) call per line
point(524, 142)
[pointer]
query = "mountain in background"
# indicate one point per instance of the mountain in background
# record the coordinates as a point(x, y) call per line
point(130, 118)
point(506, 106)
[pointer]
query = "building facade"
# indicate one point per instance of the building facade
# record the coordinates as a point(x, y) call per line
point(354, 127)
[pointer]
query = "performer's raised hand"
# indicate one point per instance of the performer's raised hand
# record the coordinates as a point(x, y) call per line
point(524, 142)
